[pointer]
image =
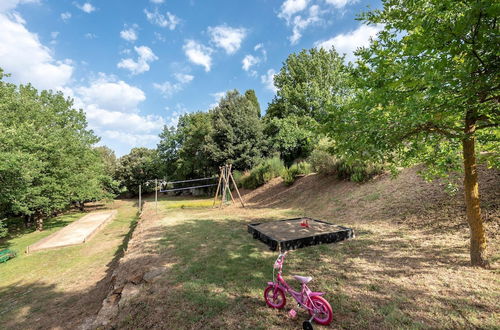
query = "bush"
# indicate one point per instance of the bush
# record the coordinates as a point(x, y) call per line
point(290, 175)
point(322, 162)
point(358, 171)
point(262, 173)
point(3, 228)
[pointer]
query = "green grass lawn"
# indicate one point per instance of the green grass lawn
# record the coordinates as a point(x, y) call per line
point(33, 285)
point(388, 277)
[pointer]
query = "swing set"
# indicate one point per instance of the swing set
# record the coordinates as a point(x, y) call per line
point(225, 179)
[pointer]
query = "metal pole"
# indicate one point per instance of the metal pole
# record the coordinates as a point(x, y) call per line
point(140, 206)
point(156, 195)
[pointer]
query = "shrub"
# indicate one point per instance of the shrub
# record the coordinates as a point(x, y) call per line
point(3, 228)
point(262, 173)
point(357, 171)
point(290, 175)
point(238, 176)
point(322, 162)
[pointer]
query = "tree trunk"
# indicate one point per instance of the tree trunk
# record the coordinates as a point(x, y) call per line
point(82, 206)
point(27, 221)
point(38, 221)
point(471, 188)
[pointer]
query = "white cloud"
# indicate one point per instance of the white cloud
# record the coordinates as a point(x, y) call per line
point(114, 95)
point(157, 1)
point(198, 54)
point(131, 140)
point(249, 61)
point(169, 20)
point(258, 46)
point(227, 37)
point(268, 80)
point(86, 7)
point(111, 107)
point(122, 121)
point(299, 23)
point(184, 78)
point(340, 3)
point(347, 43)
point(217, 97)
point(90, 35)
point(65, 16)
point(23, 55)
point(168, 88)
point(291, 7)
point(145, 56)
point(129, 34)
point(6, 5)
point(173, 119)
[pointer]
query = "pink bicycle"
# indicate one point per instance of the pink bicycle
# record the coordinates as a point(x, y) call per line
point(319, 309)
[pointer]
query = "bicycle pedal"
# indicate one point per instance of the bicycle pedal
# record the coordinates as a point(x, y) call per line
point(292, 313)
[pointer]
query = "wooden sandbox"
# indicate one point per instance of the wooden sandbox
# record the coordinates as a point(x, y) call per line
point(288, 234)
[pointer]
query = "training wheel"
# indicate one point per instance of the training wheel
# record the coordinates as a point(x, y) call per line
point(307, 325)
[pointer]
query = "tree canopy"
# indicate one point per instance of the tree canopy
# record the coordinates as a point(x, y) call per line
point(427, 90)
point(47, 157)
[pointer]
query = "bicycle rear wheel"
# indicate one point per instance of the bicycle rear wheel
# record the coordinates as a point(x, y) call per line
point(324, 313)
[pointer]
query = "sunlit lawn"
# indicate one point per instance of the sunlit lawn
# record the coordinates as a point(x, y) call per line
point(32, 284)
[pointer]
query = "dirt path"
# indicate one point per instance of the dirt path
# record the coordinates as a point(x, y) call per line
point(75, 233)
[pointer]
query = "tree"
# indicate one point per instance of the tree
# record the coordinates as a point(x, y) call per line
point(108, 180)
point(293, 137)
point(138, 167)
point(193, 153)
point(428, 85)
point(250, 95)
point(309, 83)
point(108, 158)
point(44, 147)
point(167, 149)
point(237, 136)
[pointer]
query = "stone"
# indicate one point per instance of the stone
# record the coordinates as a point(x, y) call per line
point(153, 275)
point(129, 291)
point(137, 279)
point(107, 312)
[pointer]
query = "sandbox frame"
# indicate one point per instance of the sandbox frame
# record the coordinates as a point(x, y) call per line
point(338, 233)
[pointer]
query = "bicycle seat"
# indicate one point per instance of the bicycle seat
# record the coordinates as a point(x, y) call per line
point(303, 279)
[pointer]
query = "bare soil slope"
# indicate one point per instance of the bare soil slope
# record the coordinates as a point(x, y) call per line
point(406, 200)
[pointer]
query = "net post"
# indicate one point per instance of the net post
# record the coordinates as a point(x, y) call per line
point(140, 205)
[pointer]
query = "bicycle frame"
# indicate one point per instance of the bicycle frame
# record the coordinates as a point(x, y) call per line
point(303, 297)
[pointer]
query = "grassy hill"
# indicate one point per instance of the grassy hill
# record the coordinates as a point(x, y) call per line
point(407, 268)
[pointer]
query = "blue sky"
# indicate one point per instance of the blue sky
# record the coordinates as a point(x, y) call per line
point(135, 66)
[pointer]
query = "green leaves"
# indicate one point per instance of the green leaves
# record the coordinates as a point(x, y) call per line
point(46, 152)
point(434, 62)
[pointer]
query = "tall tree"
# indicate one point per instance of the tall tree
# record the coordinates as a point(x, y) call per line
point(428, 85)
point(45, 147)
point(193, 154)
point(250, 95)
point(237, 136)
point(309, 83)
point(137, 168)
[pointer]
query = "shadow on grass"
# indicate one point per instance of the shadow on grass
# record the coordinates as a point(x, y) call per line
point(217, 273)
